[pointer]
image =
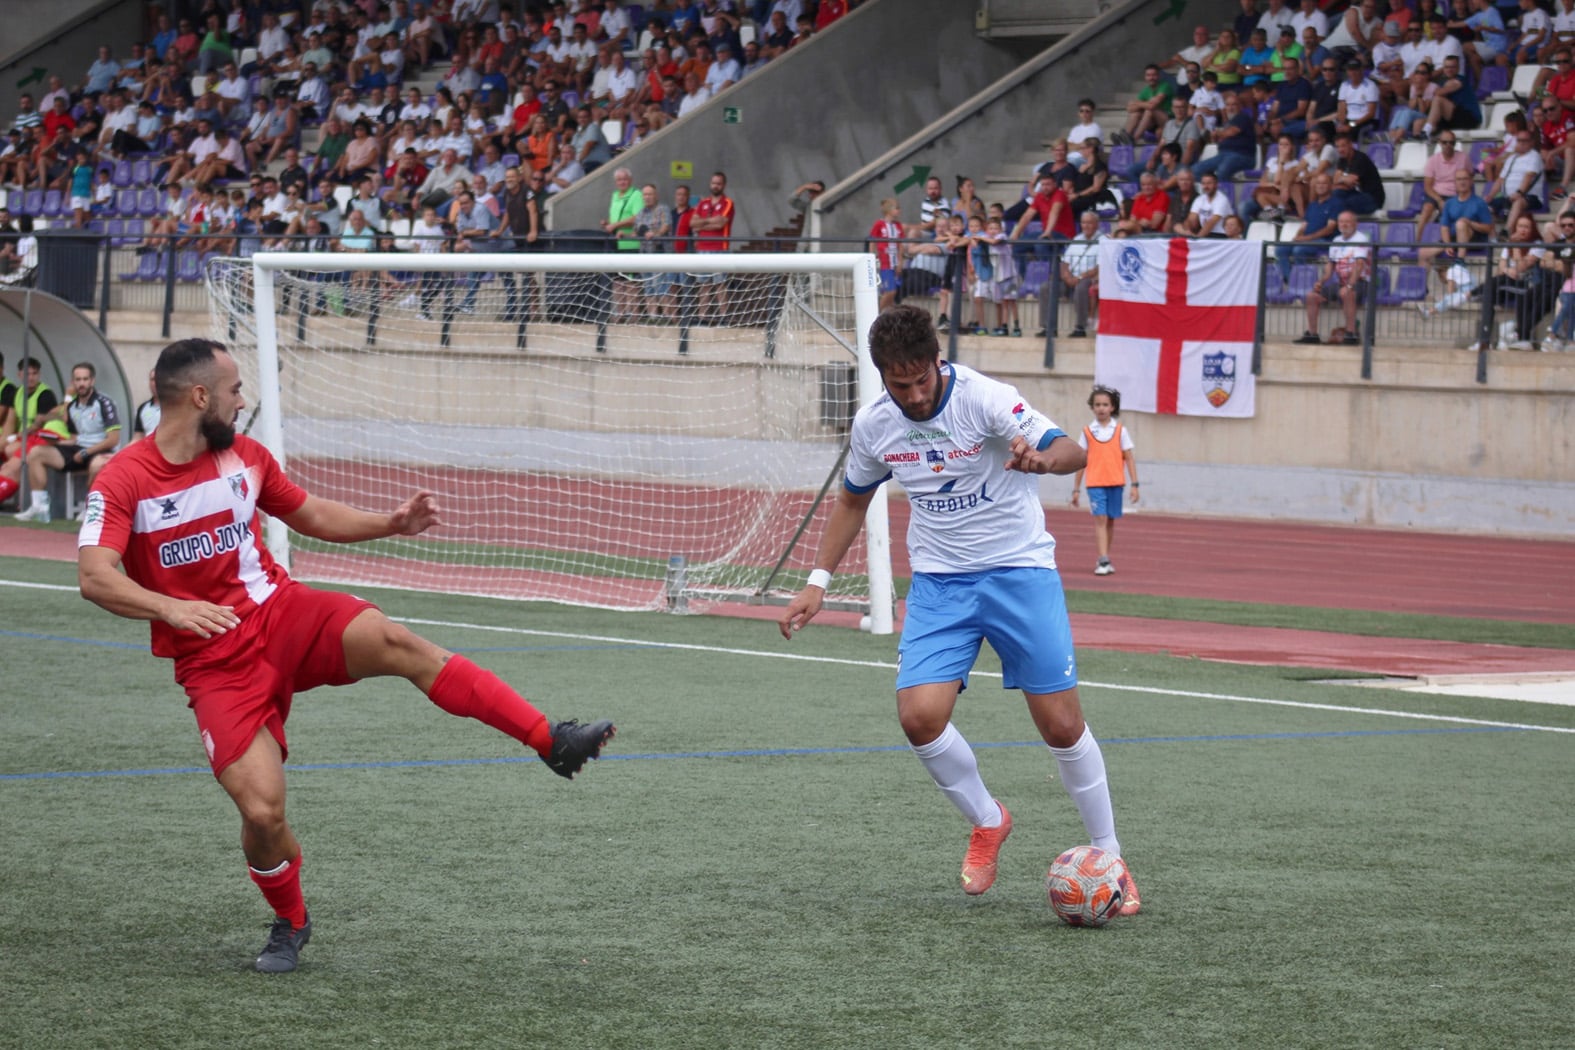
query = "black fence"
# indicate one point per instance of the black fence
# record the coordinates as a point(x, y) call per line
point(1489, 297)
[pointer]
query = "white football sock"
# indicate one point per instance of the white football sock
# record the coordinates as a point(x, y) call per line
point(950, 762)
point(1083, 774)
point(40, 497)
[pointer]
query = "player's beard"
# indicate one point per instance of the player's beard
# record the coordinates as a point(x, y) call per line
point(926, 412)
point(219, 434)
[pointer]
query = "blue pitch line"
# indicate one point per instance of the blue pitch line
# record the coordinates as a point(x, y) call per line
point(775, 752)
point(72, 641)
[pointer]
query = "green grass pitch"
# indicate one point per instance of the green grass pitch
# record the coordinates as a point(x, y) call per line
point(759, 861)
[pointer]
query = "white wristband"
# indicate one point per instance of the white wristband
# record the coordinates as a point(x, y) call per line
point(820, 578)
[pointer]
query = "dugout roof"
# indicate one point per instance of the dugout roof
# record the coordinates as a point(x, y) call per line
point(37, 324)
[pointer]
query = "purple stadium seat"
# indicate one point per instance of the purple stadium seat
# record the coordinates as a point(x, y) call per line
point(1303, 277)
point(149, 268)
point(141, 171)
point(33, 202)
point(1413, 206)
point(1399, 241)
point(511, 160)
point(188, 267)
point(1382, 154)
point(132, 233)
point(97, 226)
point(148, 202)
point(126, 202)
point(1034, 277)
point(1120, 158)
point(1432, 233)
point(1479, 149)
point(114, 228)
point(1385, 298)
point(55, 205)
point(1371, 229)
point(121, 175)
point(1410, 287)
point(1494, 80)
point(1144, 154)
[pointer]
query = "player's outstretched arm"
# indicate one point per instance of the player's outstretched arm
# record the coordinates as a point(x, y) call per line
point(847, 518)
point(327, 519)
point(1061, 456)
point(101, 582)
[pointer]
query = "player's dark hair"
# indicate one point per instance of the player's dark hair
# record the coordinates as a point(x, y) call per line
point(178, 365)
point(87, 365)
point(903, 336)
point(1112, 393)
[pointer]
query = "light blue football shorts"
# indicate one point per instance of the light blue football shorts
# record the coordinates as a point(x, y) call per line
point(1021, 612)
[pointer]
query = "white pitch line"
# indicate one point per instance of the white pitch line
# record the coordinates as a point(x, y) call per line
point(883, 665)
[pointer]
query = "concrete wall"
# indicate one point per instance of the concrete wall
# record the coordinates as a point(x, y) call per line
point(798, 122)
point(1002, 18)
point(64, 52)
point(1028, 104)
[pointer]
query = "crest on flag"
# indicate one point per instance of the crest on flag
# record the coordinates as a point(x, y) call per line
point(1129, 265)
point(238, 485)
point(1219, 377)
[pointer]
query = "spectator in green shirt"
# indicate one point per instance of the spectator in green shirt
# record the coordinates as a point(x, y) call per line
point(1152, 108)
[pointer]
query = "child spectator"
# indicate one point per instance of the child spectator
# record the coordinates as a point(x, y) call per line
point(885, 239)
point(981, 269)
point(81, 188)
point(1110, 462)
point(1000, 287)
point(1207, 103)
point(954, 241)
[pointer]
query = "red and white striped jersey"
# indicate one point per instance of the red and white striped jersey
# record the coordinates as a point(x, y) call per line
point(887, 254)
point(191, 530)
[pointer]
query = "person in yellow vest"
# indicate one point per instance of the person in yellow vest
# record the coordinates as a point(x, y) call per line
point(1110, 461)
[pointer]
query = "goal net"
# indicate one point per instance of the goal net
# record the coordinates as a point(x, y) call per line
point(622, 431)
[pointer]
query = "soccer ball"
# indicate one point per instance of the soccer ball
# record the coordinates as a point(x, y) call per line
point(1084, 886)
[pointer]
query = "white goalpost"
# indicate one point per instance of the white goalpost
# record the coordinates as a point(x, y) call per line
point(621, 430)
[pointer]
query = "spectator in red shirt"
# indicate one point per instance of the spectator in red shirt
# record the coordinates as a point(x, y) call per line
point(828, 12)
point(1053, 208)
point(1150, 209)
point(713, 228)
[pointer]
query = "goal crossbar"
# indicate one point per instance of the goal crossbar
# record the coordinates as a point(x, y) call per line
point(859, 269)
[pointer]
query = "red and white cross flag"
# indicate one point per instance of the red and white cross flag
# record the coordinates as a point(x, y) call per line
point(1177, 320)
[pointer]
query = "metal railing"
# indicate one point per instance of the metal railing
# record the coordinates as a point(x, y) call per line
point(1415, 296)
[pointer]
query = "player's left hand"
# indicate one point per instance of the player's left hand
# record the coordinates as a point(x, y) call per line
point(416, 515)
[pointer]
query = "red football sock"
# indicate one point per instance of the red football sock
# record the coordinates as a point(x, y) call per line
point(7, 489)
point(464, 689)
point(281, 887)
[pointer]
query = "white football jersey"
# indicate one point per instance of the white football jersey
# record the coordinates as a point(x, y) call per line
point(969, 513)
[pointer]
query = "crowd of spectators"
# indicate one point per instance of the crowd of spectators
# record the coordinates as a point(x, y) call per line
point(256, 120)
point(1276, 119)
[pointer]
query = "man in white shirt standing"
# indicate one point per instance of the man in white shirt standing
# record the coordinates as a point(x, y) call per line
point(1310, 15)
point(1080, 269)
point(1357, 110)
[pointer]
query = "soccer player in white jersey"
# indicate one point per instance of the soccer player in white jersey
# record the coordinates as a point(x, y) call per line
point(181, 512)
point(963, 446)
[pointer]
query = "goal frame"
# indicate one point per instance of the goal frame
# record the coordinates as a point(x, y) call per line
point(860, 267)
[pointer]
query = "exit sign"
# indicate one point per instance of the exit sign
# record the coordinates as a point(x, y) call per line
point(732, 115)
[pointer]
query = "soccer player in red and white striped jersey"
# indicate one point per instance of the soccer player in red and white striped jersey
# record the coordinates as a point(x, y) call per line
point(180, 513)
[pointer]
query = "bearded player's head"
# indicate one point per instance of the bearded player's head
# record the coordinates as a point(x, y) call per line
point(904, 347)
point(198, 382)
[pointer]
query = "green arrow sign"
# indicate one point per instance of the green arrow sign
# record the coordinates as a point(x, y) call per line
point(1173, 11)
point(37, 74)
point(920, 173)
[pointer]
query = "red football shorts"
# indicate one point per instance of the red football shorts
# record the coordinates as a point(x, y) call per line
point(246, 679)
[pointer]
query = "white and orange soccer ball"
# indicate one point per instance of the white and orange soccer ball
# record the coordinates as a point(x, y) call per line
point(1084, 886)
